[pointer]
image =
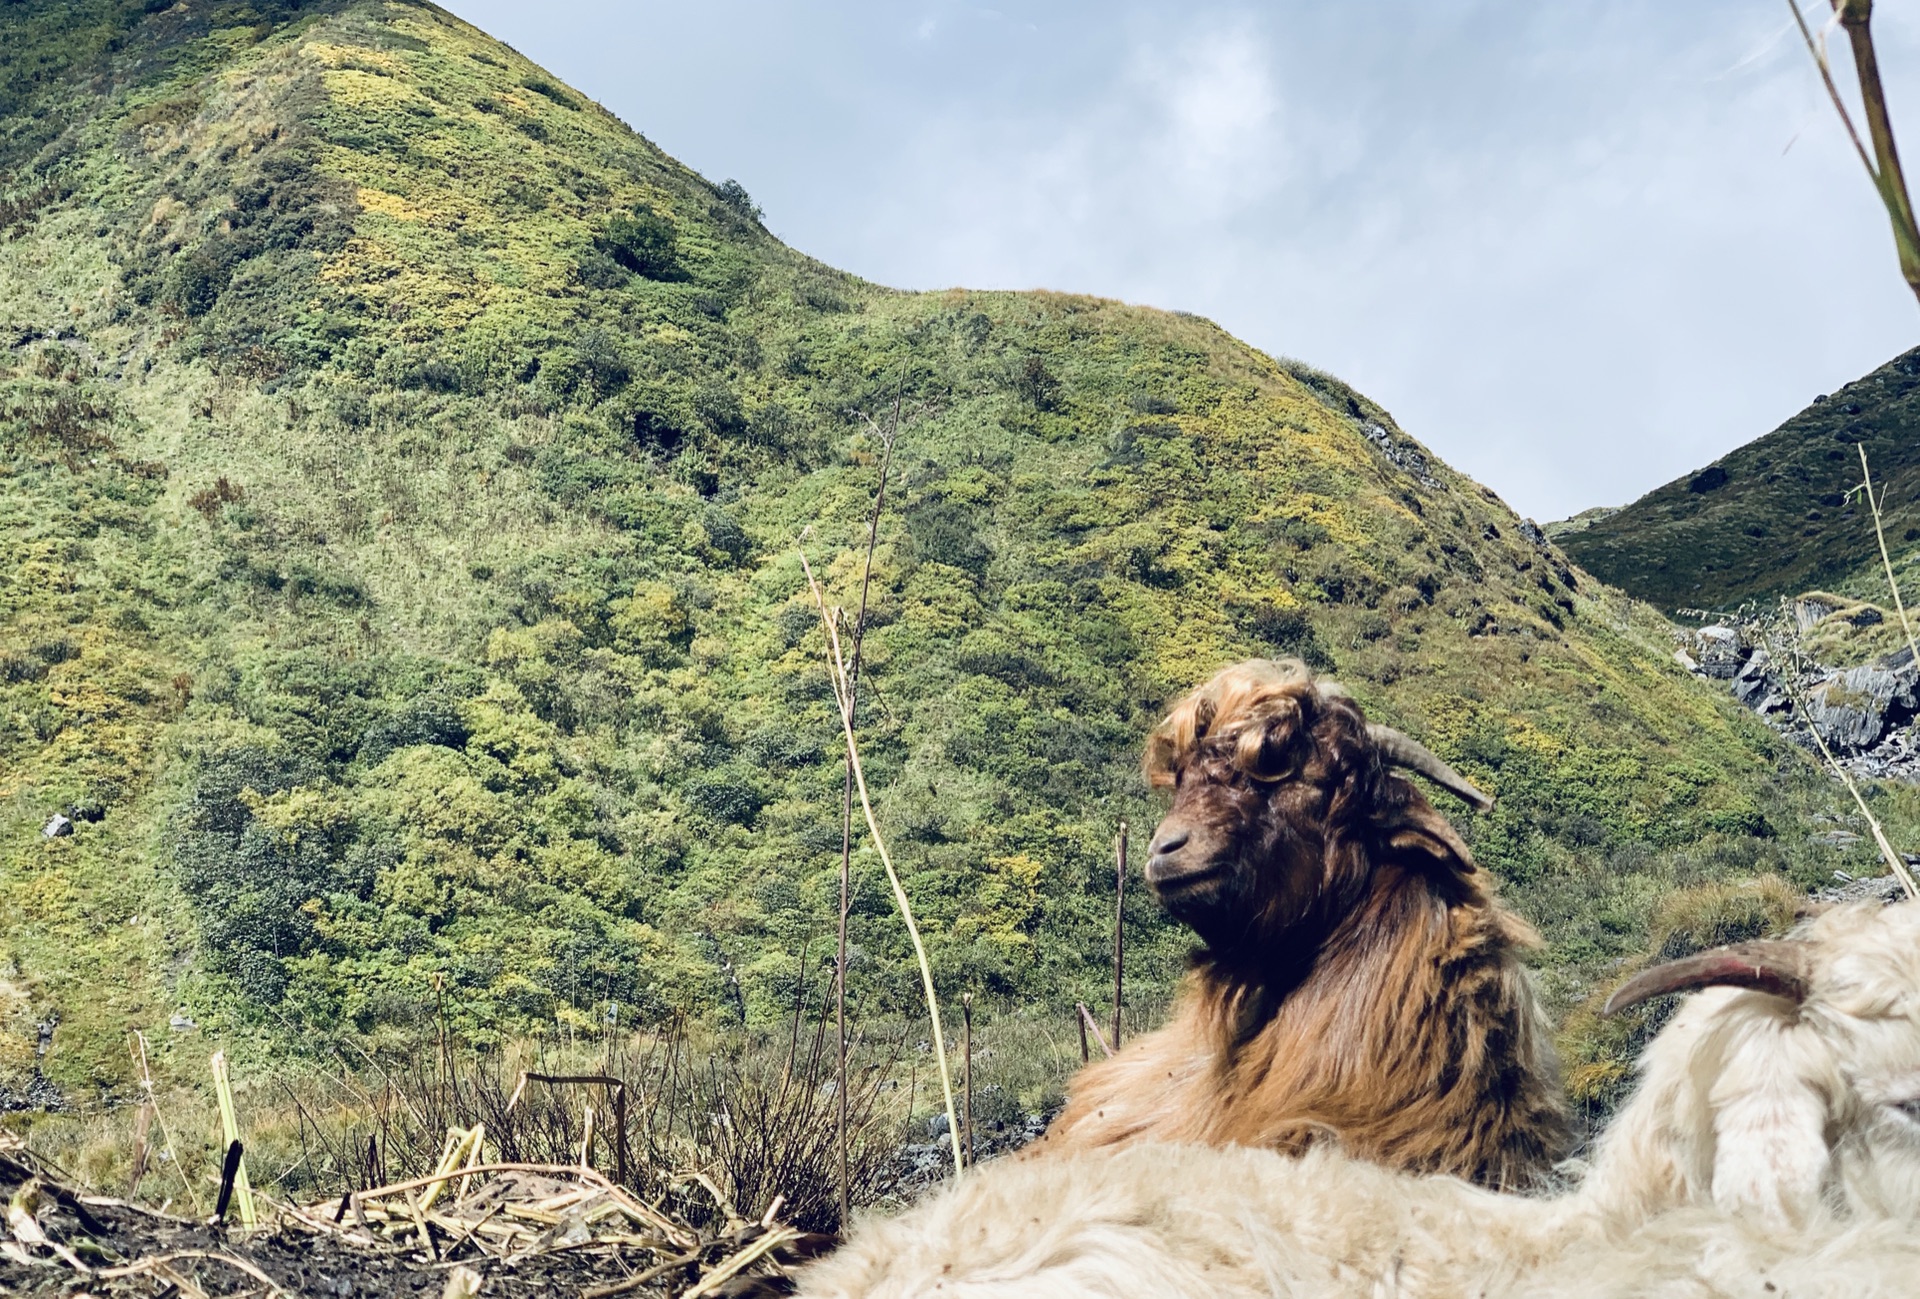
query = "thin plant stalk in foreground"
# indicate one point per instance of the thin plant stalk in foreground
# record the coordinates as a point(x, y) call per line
point(846, 820)
point(1119, 926)
point(1883, 168)
point(842, 687)
point(1880, 533)
point(1895, 862)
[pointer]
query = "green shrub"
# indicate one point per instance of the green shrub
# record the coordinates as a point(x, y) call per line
point(738, 201)
point(194, 283)
point(725, 796)
point(644, 242)
point(248, 883)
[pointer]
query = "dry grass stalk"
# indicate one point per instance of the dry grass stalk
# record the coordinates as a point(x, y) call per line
point(966, 1066)
point(727, 1270)
point(230, 1129)
point(842, 689)
point(1895, 862)
point(142, 1124)
point(166, 1141)
point(1119, 926)
point(158, 1265)
point(843, 1182)
point(1880, 534)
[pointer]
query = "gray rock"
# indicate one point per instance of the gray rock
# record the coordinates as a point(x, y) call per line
point(1881, 888)
point(58, 827)
point(1720, 652)
point(1809, 610)
point(1854, 709)
point(1835, 839)
point(1755, 685)
point(1403, 456)
point(38, 1094)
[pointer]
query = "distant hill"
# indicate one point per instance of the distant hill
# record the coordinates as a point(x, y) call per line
point(1774, 518)
point(406, 469)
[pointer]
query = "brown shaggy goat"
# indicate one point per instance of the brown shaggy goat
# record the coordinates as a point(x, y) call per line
point(1358, 980)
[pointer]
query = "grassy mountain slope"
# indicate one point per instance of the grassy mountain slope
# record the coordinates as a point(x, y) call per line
point(1774, 517)
point(406, 465)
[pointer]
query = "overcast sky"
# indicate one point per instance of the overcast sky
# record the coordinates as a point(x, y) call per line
point(1578, 248)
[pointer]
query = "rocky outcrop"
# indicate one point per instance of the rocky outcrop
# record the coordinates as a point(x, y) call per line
point(1856, 709)
point(1719, 652)
point(1756, 686)
point(1864, 714)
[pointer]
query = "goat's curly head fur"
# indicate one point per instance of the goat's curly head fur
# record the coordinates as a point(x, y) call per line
point(1283, 802)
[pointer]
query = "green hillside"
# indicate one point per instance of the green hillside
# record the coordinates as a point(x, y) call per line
point(1774, 517)
point(406, 465)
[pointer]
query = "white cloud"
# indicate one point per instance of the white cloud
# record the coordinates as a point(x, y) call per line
point(1219, 132)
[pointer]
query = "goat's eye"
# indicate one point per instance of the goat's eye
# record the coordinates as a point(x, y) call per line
point(1908, 1109)
point(1270, 760)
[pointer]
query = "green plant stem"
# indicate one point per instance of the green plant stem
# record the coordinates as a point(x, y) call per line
point(1856, 16)
point(1883, 168)
point(230, 1129)
point(1819, 54)
point(837, 667)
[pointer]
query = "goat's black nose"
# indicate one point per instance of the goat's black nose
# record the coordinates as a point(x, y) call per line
point(1169, 841)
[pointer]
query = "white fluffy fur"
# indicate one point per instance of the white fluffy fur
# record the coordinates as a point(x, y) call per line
point(1770, 1151)
point(1755, 1105)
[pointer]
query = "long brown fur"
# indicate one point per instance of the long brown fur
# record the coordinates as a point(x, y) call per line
point(1358, 982)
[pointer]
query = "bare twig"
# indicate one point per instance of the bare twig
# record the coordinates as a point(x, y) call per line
point(1087, 1021)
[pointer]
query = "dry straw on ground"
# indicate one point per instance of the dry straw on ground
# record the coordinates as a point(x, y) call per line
point(505, 1229)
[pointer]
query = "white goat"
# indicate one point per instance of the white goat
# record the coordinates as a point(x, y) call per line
point(1772, 1150)
point(1789, 1087)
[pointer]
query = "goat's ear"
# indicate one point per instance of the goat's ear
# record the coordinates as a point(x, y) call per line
point(1772, 1107)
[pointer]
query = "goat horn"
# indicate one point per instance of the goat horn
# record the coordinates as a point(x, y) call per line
point(1769, 965)
point(1405, 751)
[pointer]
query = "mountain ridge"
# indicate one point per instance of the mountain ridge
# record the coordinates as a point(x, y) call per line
point(1779, 515)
